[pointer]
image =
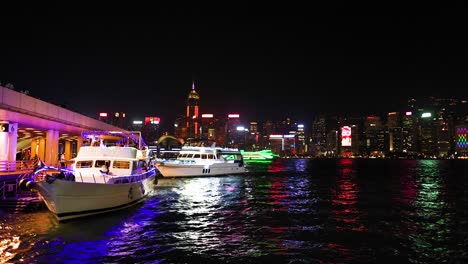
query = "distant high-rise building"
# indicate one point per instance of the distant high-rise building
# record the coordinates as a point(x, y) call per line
point(301, 145)
point(428, 134)
point(393, 120)
point(232, 122)
point(253, 137)
point(209, 128)
point(332, 143)
point(409, 133)
point(150, 131)
point(318, 137)
point(375, 136)
point(192, 118)
point(395, 132)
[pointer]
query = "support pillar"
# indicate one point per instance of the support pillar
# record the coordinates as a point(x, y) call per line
point(41, 149)
point(68, 150)
point(8, 142)
point(78, 145)
point(52, 144)
point(34, 147)
point(13, 139)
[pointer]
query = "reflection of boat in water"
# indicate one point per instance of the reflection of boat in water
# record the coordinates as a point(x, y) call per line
point(203, 161)
point(259, 156)
point(102, 179)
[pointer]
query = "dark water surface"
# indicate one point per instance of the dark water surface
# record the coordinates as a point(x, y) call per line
point(289, 211)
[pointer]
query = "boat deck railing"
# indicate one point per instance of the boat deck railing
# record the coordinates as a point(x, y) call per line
point(53, 173)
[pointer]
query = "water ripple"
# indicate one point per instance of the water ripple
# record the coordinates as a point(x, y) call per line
point(289, 211)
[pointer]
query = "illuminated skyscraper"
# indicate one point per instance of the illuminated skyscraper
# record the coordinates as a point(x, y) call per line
point(409, 133)
point(192, 118)
point(427, 134)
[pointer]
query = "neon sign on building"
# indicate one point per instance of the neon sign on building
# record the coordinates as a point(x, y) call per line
point(152, 120)
point(346, 136)
point(462, 137)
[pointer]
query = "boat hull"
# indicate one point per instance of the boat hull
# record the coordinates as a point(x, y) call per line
point(69, 199)
point(180, 170)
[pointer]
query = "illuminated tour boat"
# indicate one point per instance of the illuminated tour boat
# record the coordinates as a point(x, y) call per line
point(261, 155)
point(102, 179)
point(203, 161)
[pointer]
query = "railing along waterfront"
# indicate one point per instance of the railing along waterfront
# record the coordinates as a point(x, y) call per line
point(16, 165)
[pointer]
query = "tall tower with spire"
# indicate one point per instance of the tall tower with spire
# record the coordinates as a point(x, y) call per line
point(192, 116)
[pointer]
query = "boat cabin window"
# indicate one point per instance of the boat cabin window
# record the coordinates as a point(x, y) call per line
point(211, 156)
point(100, 163)
point(204, 156)
point(120, 164)
point(196, 156)
point(84, 164)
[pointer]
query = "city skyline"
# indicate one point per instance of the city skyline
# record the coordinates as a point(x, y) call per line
point(261, 63)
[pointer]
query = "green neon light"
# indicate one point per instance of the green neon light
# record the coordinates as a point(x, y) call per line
point(265, 154)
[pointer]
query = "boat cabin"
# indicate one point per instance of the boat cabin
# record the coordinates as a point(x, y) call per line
point(109, 160)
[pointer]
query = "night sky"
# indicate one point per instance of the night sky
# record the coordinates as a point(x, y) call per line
point(262, 62)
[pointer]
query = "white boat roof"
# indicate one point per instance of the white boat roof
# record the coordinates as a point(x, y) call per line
point(94, 152)
point(189, 149)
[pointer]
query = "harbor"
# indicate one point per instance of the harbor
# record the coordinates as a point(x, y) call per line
point(291, 210)
point(278, 134)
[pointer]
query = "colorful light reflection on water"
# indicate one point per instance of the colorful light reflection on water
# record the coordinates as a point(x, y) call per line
point(290, 210)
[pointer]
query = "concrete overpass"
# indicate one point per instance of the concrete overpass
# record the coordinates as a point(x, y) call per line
point(44, 128)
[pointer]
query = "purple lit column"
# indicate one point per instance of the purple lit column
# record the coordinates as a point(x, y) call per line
point(51, 148)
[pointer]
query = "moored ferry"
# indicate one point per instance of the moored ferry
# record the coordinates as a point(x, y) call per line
point(203, 161)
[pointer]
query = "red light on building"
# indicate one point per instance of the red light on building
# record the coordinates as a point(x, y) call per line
point(233, 116)
point(103, 114)
point(207, 115)
point(152, 120)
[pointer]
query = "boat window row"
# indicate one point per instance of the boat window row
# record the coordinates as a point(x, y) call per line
point(197, 156)
point(117, 164)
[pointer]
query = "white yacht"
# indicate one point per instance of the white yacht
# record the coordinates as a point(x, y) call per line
point(102, 179)
point(203, 161)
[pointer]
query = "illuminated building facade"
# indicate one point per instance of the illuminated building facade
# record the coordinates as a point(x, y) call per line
point(192, 116)
point(253, 137)
point(375, 136)
point(395, 132)
point(301, 145)
point(318, 138)
point(427, 135)
point(462, 140)
point(210, 129)
point(332, 143)
point(408, 133)
point(232, 122)
point(150, 131)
